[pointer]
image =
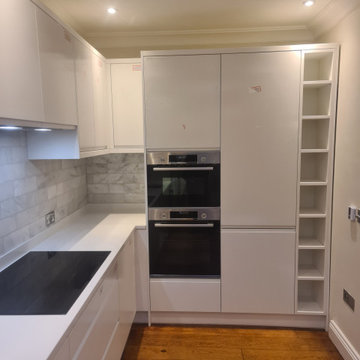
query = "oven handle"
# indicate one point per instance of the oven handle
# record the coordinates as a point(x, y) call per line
point(208, 225)
point(205, 168)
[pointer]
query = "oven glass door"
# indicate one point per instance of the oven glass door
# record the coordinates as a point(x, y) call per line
point(184, 249)
point(183, 186)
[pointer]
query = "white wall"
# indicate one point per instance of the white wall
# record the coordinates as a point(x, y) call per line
point(345, 258)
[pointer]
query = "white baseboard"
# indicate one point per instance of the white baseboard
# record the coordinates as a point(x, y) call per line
point(342, 343)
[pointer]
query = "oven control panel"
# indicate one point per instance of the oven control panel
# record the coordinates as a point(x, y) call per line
point(169, 214)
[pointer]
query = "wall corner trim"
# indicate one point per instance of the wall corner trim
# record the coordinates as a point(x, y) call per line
point(342, 343)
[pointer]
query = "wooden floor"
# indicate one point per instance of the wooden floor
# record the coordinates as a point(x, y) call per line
point(221, 343)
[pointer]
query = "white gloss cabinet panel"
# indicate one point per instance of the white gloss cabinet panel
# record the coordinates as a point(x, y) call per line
point(101, 104)
point(85, 95)
point(182, 101)
point(259, 138)
point(20, 87)
point(199, 295)
point(57, 71)
point(127, 105)
point(142, 270)
point(258, 271)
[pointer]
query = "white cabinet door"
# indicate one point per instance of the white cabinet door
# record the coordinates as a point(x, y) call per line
point(142, 270)
point(127, 105)
point(57, 71)
point(258, 271)
point(20, 79)
point(126, 276)
point(259, 137)
point(182, 101)
point(101, 104)
point(85, 95)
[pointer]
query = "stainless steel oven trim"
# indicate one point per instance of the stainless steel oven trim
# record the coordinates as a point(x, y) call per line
point(162, 225)
point(163, 214)
point(162, 157)
point(194, 168)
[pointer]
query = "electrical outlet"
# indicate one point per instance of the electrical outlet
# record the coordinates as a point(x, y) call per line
point(50, 218)
point(349, 300)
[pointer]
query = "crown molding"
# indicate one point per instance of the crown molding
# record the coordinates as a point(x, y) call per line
point(150, 33)
point(331, 15)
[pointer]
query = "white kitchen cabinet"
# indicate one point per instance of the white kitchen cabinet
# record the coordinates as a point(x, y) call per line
point(182, 101)
point(101, 102)
point(20, 85)
point(259, 137)
point(186, 295)
point(57, 71)
point(85, 95)
point(142, 270)
point(127, 105)
point(258, 271)
point(92, 332)
point(127, 297)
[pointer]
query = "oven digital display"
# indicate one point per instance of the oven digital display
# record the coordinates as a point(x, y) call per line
point(182, 158)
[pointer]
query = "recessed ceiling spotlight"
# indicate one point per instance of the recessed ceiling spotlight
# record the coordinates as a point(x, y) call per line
point(309, 3)
point(111, 11)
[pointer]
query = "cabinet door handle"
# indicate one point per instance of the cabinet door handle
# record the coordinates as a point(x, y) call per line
point(161, 225)
point(205, 168)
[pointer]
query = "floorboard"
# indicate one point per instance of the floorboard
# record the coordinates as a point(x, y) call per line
point(222, 343)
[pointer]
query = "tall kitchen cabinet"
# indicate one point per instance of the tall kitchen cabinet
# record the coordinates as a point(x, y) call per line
point(259, 133)
point(316, 149)
point(182, 101)
point(127, 105)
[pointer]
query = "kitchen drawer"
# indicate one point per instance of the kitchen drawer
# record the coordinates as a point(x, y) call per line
point(93, 330)
point(200, 295)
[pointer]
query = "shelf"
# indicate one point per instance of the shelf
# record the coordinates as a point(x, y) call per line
point(315, 134)
point(311, 215)
point(310, 296)
point(314, 151)
point(312, 200)
point(309, 273)
point(316, 101)
point(314, 167)
point(312, 233)
point(313, 183)
point(310, 243)
point(318, 65)
point(307, 306)
point(316, 84)
point(316, 117)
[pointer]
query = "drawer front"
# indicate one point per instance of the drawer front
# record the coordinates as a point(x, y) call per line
point(185, 295)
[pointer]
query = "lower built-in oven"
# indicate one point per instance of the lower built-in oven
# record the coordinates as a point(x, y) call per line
point(184, 243)
point(183, 179)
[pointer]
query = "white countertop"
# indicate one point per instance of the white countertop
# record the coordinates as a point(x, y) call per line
point(34, 337)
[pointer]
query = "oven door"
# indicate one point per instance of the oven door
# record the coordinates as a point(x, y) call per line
point(184, 249)
point(183, 186)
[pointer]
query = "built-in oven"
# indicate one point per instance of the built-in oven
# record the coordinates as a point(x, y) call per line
point(183, 179)
point(184, 243)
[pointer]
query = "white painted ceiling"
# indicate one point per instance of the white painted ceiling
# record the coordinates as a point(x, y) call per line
point(90, 16)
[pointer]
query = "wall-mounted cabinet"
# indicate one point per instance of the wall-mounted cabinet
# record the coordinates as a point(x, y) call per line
point(127, 105)
point(182, 101)
point(315, 179)
point(20, 85)
point(57, 71)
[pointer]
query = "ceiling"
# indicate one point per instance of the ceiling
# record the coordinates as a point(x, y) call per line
point(175, 24)
point(90, 16)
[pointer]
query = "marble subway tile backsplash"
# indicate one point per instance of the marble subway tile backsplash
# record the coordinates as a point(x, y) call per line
point(30, 189)
point(116, 178)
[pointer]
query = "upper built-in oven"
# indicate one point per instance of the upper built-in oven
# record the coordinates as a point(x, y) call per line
point(183, 179)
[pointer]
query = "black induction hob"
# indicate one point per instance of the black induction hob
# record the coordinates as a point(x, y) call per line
point(47, 283)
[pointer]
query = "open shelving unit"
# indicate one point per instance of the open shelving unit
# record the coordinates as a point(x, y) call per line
point(316, 144)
